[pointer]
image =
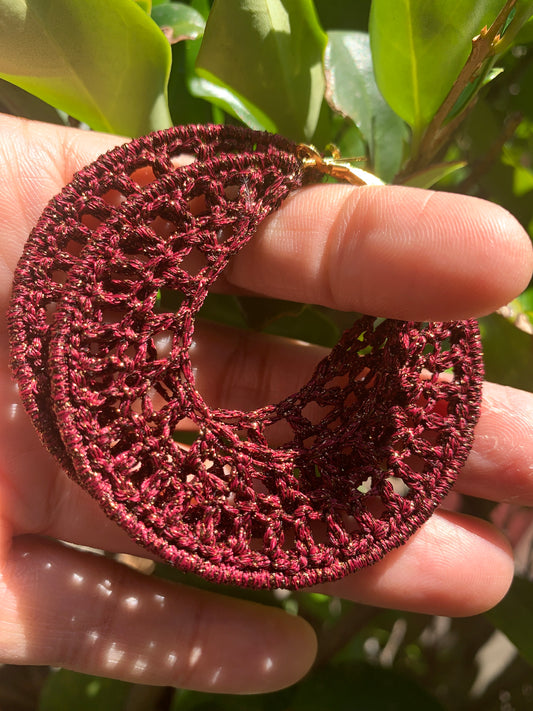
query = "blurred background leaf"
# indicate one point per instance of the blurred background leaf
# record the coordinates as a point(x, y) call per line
point(66, 689)
point(514, 616)
point(507, 352)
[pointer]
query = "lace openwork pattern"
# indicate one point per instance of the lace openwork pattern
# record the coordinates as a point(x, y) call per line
point(321, 484)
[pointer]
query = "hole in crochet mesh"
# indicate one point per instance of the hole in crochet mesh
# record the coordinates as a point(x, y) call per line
point(399, 486)
point(366, 350)
point(113, 197)
point(59, 276)
point(106, 416)
point(90, 221)
point(148, 404)
point(277, 433)
point(339, 381)
point(162, 342)
point(73, 247)
point(169, 301)
point(314, 412)
point(194, 262)
point(224, 234)
point(350, 524)
point(351, 400)
point(415, 463)
point(181, 159)
point(50, 309)
point(441, 406)
point(335, 424)
point(259, 487)
point(365, 486)
point(143, 176)
point(232, 192)
point(375, 507)
point(111, 315)
point(198, 206)
point(185, 437)
point(162, 227)
point(430, 436)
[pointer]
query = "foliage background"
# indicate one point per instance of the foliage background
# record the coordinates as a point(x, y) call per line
point(401, 83)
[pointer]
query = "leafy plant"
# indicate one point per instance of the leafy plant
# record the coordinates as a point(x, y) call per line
point(426, 93)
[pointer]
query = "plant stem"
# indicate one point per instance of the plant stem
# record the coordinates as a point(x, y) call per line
point(439, 132)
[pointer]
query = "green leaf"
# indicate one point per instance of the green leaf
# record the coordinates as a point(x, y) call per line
point(526, 301)
point(348, 687)
point(361, 686)
point(145, 5)
point(517, 23)
point(202, 6)
point(104, 63)
point(514, 616)
point(525, 35)
point(225, 309)
point(507, 352)
point(352, 91)
point(183, 22)
point(227, 99)
point(522, 180)
point(185, 106)
point(309, 325)
point(70, 690)
point(18, 102)
point(419, 48)
point(260, 312)
point(202, 91)
point(342, 15)
point(429, 176)
point(269, 53)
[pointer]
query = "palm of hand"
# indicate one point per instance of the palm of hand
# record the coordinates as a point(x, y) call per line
point(66, 607)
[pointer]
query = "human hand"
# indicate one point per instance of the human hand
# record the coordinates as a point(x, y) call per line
point(390, 251)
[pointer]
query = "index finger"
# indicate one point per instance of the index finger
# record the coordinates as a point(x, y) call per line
point(390, 251)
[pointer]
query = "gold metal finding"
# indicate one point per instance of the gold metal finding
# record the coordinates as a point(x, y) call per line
point(334, 166)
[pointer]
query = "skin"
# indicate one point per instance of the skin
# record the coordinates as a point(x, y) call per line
point(391, 251)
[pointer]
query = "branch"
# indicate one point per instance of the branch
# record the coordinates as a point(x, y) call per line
point(438, 132)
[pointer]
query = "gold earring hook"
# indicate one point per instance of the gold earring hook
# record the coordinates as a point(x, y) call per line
point(336, 167)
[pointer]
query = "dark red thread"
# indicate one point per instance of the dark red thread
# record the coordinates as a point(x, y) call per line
point(374, 440)
point(68, 223)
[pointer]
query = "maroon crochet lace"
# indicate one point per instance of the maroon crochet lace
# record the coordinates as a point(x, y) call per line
point(67, 224)
point(376, 437)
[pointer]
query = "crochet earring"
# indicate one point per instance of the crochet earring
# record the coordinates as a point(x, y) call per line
point(373, 442)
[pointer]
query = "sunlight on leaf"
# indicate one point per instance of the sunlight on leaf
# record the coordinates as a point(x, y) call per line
point(281, 41)
point(104, 63)
point(430, 176)
point(352, 91)
point(18, 102)
point(419, 49)
point(181, 21)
